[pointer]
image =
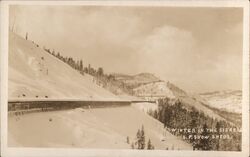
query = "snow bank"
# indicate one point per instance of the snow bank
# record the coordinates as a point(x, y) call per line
point(91, 128)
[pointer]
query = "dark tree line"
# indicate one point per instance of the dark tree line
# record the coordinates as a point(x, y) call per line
point(176, 115)
point(107, 81)
point(77, 64)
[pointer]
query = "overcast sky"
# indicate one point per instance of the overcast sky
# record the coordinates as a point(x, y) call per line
point(198, 49)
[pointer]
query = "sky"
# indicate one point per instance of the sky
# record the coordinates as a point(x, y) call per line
point(198, 49)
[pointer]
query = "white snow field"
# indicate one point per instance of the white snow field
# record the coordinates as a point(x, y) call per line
point(228, 100)
point(89, 128)
point(34, 73)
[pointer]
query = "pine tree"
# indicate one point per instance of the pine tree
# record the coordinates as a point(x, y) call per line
point(149, 146)
point(100, 71)
point(127, 140)
point(58, 55)
point(81, 65)
point(138, 136)
point(142, 138)
point(89, 68)
point(48, 50)
point(86, 70)
point(218, 125)
point(155, 114)
point(78, 65)
point(53, 52)
point(205, 142)
point(193, 124)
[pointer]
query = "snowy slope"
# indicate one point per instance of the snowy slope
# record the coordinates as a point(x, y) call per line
point(136, 80)
point(145, 77)
point(228, 100)
point(154, 89)
point(145, 106)
point(35, 73)
point(92, 128)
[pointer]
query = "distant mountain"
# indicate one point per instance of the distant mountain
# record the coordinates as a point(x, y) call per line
point(136, 80)
point(148, 84)
point(154, 90)
point(228, 100)
point(146, 77)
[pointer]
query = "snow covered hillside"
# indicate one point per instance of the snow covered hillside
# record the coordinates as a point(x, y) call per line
point(91, 128)
point(156, 90)
point(136, 80)
point(211, 104)
point(33, 73)
point(228, 100)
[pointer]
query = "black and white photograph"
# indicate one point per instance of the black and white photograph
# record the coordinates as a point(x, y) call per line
point(139, 78)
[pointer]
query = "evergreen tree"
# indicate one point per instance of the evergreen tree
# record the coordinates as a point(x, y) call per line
point(78, 65)
point(155, 114)
point(86, 70)
point(218, 133)
point(149, 146)
point(138, 136)
point(142, 138)
point(100, 71)
point(89, 67)
point(53, 52)
point(81, 66)
point(48, 50)
point(193, 125)
point(177, 116)
point(127, 140)
point(58, 55)
point(205, 142)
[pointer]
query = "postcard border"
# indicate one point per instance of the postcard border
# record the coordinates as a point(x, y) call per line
point(6, 151)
